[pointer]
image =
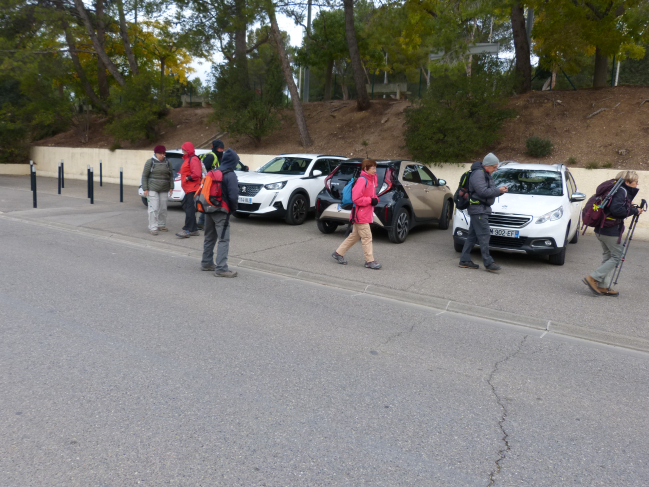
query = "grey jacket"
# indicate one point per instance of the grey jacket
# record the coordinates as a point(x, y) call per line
point(481, 188)
point(158, 178)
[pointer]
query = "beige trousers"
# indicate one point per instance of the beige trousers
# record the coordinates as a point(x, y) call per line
point(363, 232)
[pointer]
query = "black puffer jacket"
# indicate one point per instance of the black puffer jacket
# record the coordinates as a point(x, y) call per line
point(619, 209)
point(230, 185)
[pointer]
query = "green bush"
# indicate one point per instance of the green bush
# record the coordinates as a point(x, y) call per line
point(459, 116)
point(572, 161)
point(538, 147)
point(592, 165)
point(607, 165)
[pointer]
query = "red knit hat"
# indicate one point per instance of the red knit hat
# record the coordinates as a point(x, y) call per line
point(159, 149)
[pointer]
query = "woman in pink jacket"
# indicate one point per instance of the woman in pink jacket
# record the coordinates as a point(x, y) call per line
point(365, 199)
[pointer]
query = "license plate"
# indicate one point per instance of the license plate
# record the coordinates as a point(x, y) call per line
point(245, 199)
point(501, 232)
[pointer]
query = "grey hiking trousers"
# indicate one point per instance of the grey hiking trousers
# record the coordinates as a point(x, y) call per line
point(478, 232)
point(214, 224)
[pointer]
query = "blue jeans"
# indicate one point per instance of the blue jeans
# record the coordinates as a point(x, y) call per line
point(478, 232)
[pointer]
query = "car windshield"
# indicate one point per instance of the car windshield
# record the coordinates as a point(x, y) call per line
point(286, 165)
point(530, 181)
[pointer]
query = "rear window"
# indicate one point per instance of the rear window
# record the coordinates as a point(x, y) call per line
point(176, 162)
point(346, 171)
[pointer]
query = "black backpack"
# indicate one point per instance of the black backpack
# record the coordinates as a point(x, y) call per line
point(462, 197)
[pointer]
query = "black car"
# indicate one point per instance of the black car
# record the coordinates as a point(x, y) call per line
point(409, 195)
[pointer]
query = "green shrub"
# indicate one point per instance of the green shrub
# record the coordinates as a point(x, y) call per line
point(538, 147)
point(458, 116)
point(592, 165)
point(607, 165)
point(572, 161)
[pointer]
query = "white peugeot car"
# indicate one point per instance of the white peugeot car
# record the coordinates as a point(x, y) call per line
point(539, 215)
point(175, 157)
point(286, 186)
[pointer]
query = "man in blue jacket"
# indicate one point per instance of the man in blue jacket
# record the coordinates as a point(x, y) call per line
point(482, 194)
point(217, 224)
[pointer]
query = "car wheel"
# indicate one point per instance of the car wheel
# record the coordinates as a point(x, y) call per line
point(400, 227)
point(560, 258)
point(575, 238)
point(297, 210)
point(145, 201)
point(458, 247)
point(447, 215)
point(326, 226)
point(238, 214)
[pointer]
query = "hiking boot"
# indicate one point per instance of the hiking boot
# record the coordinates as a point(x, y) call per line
point(200, 227)
point(339, 258)
point(183, 234)
point(493, 267)
point(195, 234)
point(608, 292)
point(154, 232)
point(226, 274)
point(208, 267)
point(162, 229)
point(467, 264)
point(373, 265)
point(592, 284)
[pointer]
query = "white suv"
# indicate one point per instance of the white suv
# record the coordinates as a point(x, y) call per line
point(286, 186)
point(539, 215)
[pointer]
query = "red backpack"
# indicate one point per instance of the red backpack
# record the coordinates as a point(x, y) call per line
point(209, 197)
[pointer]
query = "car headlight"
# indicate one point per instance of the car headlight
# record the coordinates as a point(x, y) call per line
point(551, 216)
point(275, 186)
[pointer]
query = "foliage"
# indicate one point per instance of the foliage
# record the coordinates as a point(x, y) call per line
point(572, 160)
point(538, 147)
point(592, 165)
point(459, 116)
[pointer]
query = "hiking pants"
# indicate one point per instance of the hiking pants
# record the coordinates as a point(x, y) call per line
point(214, 223)
point(363, 232)
point(612, 253)
point(157, 209)
point(190, 212)
point(478, 232)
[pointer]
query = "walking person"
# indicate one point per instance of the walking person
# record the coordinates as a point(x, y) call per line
point(365, 199)
point(157, 183)
point(217, 224)
point(211, 160)
point(610, 235)
point(482, 194)
point(190, 178)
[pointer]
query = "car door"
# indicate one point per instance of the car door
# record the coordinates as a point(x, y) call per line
point(575, 206)
point(433, 193)
point(411, 182)
point(313, 184)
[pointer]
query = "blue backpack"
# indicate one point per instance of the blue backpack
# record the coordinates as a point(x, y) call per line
point(347, 203)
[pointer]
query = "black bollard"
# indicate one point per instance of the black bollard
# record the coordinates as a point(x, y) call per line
point(34, 185)
point(62, 174)
point(88, 176)
point(31, 176)
point(92, 186)
point(121, 185)
point(59, 178)
point(101, 174)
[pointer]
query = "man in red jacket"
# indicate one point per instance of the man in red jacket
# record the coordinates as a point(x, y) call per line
point(190, 179)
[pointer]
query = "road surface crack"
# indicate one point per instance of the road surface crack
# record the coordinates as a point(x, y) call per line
point(502, 453)
point(397, 335)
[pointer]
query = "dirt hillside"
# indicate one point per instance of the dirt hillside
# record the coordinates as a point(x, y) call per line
point(616, 137)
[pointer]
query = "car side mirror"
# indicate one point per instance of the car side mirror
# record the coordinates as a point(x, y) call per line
point(578, 197)
point(441, 182)
point(245, 168)
point(317, 173)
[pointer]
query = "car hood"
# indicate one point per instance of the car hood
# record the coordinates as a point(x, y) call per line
point(262, 178)
point(525, 204)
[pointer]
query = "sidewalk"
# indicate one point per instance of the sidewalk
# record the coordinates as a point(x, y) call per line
point(423, 269)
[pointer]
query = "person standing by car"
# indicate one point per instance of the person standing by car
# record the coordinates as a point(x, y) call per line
point(190, 179)
point(610, 236)
point(482, 194)
point(157, 183)
point(365, 199)
point(211, 160)
point(217, 224)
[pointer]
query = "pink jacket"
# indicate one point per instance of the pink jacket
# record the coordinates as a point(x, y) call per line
point(362, 194)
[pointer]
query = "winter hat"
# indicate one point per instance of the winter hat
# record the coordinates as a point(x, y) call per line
point(159, 149)
point(490, 160)
point(218, 144)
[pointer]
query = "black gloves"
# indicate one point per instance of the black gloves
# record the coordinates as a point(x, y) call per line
point(188, 178)
point(375, 201)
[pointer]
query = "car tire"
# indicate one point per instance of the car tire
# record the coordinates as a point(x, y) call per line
point(398, 231)
point(145, 201)
point(575, 238)
point(298, 208)
point(243, 216)
point(447, 215)
point(458, 247)
point(560, 258)
point(327, 226)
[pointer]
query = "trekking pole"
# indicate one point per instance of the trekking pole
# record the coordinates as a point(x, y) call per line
point(59, 178)
point(627, 244)
point(88, 178)
point(31, 176)
point(62, 174)
point(121, 185)
point(34, 185)
point(92, 186)
point(101, 174)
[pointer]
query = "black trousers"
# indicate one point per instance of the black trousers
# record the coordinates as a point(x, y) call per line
point(190, 212)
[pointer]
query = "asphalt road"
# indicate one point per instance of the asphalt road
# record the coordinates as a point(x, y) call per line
point(126, 365)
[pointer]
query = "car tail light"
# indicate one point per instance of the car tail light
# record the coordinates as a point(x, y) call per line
point(177, 178)
point(327, 181)
point(387, 182)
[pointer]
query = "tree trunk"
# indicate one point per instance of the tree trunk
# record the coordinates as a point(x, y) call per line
point(240, 44)
point(112, 69)
point(124, 33)
point(327, 86)
point(522, 48)
point(601, 69)
point(102, 79)
point(362, 98)
point(162, 82)
point(305, 138)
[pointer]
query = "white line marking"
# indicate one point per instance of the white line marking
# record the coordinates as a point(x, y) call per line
point(547, 327)
point(447, 305)
point(440, 313)
point(298, 273)
point(544, 333)
point(365, 290)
